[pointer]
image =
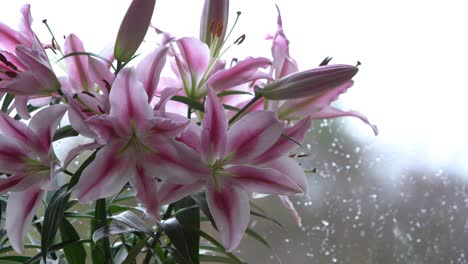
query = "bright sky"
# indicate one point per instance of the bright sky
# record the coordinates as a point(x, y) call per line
point(411, 83)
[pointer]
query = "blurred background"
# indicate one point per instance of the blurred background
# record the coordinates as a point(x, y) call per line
point(399, 197)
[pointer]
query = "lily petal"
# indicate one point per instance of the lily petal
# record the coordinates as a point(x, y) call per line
point(44, 124)
point(20, 210)
point(145, 185)
point(214, 128)
point(74, 152)
point(243, 72)
point(77, 64)
point(291, 169)
point(171, 192)
point(149, 70)
point(16, 130)
point(195, 58)
point(333, 112)
point(263, 180)
point(252, 135)
point(129, 102)
point(174, 161)
point(105, 176)
point(10, 182)
point(231, 211)
point(284, 144)
point(11, 155)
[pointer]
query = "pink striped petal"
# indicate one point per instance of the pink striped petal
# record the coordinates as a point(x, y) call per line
point(149, 70)
point(6, 184)
point(145, 185)
point(16, 130)
point(214, 128)
point(291, 169)
point(8, 38)
point(100, 74)
point(78, 69)
point(106, 175)
point(172, 192)
point(166, 95)
point(290, 206)
point(333, 112)
point(243, 72)
point(44, 124)
point(129, 103)
point(27, 35)
point(252, 135)
point(196, 58)
point(174, 161)
point(20, 210)
point(301, 108)
point(74, 152)
point(171, 125)
point(191, 137)
point(12, 155)
point(231, 211)
point(103, 129)
point(285, 144)
point(263, 180)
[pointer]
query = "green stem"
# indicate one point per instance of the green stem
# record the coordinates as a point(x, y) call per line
point(238, 114)
point(166, 215)
point(100, 216)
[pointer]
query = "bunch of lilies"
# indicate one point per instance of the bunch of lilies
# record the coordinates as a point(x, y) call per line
point(225, 130)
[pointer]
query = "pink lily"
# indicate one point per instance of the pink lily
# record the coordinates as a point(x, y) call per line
point(198, 70)
point(26, 154)
point(25, 70)
point(301, 101)
point(133, 139)
point(247, 157)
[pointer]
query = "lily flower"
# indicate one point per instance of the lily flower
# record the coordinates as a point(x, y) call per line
point(198, 70)
point(26, 154)
point(133, 138)
point(25, 70)
point(247, 157)
point(295, 95)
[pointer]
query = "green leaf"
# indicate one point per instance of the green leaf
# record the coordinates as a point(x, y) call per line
point(134, 221)
point(54, 248)
point(217, 259)
point(189, 218)
point(64, 132)
point(175, 231)
point(110, 230)
point(267, 218)
point(133, 253)
point(100, 251)
point(257, 237)
point(53, 216)
point(220, 247)
point(232, 92)
point(200, 199)
point(90, 54)
point(75, 253)
point(7, 101)
point(14, 259)
point(230, 107)
point(194, 104)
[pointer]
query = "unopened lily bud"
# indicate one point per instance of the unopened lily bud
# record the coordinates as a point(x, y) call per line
point(133, 28)
point(213, 22)
point(309, 83)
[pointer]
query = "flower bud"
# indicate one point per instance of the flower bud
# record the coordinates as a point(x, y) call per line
point(213, 22)
point(133, 28)
point(308, 83)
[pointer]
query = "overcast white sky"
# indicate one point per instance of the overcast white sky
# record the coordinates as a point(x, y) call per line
point(412, 82)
